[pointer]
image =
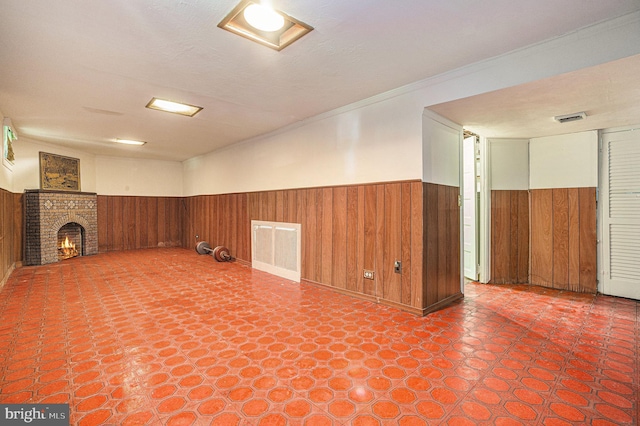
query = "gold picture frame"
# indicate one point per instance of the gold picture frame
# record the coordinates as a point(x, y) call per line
point(9, 136)
point(59, 173)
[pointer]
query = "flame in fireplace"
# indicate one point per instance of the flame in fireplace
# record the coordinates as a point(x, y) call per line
point(67, 249)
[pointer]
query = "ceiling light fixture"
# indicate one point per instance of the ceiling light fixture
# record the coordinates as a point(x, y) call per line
point(130, 142)
point(264, 25)
point(174, 107)
point(263, 17)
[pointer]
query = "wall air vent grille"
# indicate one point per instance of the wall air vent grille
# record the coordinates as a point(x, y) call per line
point(276, 248)
point(570, 117)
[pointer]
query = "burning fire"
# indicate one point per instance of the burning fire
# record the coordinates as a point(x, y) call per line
point(67, 249)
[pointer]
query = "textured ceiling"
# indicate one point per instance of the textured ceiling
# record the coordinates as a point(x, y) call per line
point(609, 94)
point(79, 73)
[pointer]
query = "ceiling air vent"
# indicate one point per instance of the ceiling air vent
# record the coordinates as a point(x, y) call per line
point(570, 117)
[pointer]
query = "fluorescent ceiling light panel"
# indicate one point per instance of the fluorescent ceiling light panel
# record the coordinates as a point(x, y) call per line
point(130, 142)
point(174, 107)
point(259, 23)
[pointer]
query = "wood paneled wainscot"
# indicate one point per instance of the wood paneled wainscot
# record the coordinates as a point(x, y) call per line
point(563, 239)
point(127, 223)
point(347, 229)
point(11, 233)
point(510, 236)
point(442, 283)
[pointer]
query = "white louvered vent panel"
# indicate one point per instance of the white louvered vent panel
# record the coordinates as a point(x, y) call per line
point(625, 252)
point(286, 248)
point(263, 243)
point(624, 179)
point(275, 248)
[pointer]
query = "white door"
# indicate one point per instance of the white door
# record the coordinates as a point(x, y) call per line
point(620, 195)
point(470, 208)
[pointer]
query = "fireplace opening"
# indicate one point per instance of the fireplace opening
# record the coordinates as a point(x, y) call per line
point(70, 241)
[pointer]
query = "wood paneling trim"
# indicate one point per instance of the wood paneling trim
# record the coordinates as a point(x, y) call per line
point(345, 229)
point(542, 237)
point(103, 223)
point(392, 242)
point(563, 239)
point(418, 272)
point(588, 243)
point(441, 243)
point(152, 224)
point(500, 237)
point(128, 223)
point(379, 266)
point(327, 235)
point(523, 237)
point(574, 241)
point(18, 228)
point(353, 260)
point(339, 238)
point(369, 237)
point(560, 237)
point(405, 244)
point(509, 237)
point(11, 233)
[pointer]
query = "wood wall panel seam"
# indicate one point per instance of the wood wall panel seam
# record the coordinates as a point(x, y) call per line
point(346, 229)
point(510, 236)
point(572, 224)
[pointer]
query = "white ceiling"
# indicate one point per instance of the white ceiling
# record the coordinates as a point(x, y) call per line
point(609, 94)
point(79, 73)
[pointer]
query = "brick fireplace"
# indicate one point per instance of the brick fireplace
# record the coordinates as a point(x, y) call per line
point(51, 215)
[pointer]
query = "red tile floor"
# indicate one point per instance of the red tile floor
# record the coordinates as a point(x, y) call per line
point(164, 336)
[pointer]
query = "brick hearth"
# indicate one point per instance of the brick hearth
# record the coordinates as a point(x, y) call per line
point(48, 211)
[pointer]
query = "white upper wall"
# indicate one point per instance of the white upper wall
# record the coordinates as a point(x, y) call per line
point(6, 175)
point(564, 161)
point(509, 164)
point(440, 150)
point(380, 139)
point(26, 170)
point(346, 148)
point(100, 174)
point(125, 176)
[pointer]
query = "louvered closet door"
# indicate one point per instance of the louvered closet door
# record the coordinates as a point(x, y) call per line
point(621, 214)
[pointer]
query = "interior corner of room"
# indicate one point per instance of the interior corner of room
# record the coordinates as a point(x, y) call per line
point(375, 184)
point(331, 212)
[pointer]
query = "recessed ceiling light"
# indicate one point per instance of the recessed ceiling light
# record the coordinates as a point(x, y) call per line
point(260, 23)
point(130, 142)
point(174, 107)
point(263, 17)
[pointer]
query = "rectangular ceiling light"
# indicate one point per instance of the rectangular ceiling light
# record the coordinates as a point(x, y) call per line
point(269, 27)
point(174, 107)
point(130, 142)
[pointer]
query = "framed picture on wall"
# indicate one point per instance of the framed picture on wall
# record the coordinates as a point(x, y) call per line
point(59, 172)
point(9, 136)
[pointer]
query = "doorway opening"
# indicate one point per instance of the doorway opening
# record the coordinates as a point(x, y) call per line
point(471, 204)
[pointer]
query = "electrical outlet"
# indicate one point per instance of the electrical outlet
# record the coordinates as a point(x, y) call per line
point(368, 274)
point(397, 267)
